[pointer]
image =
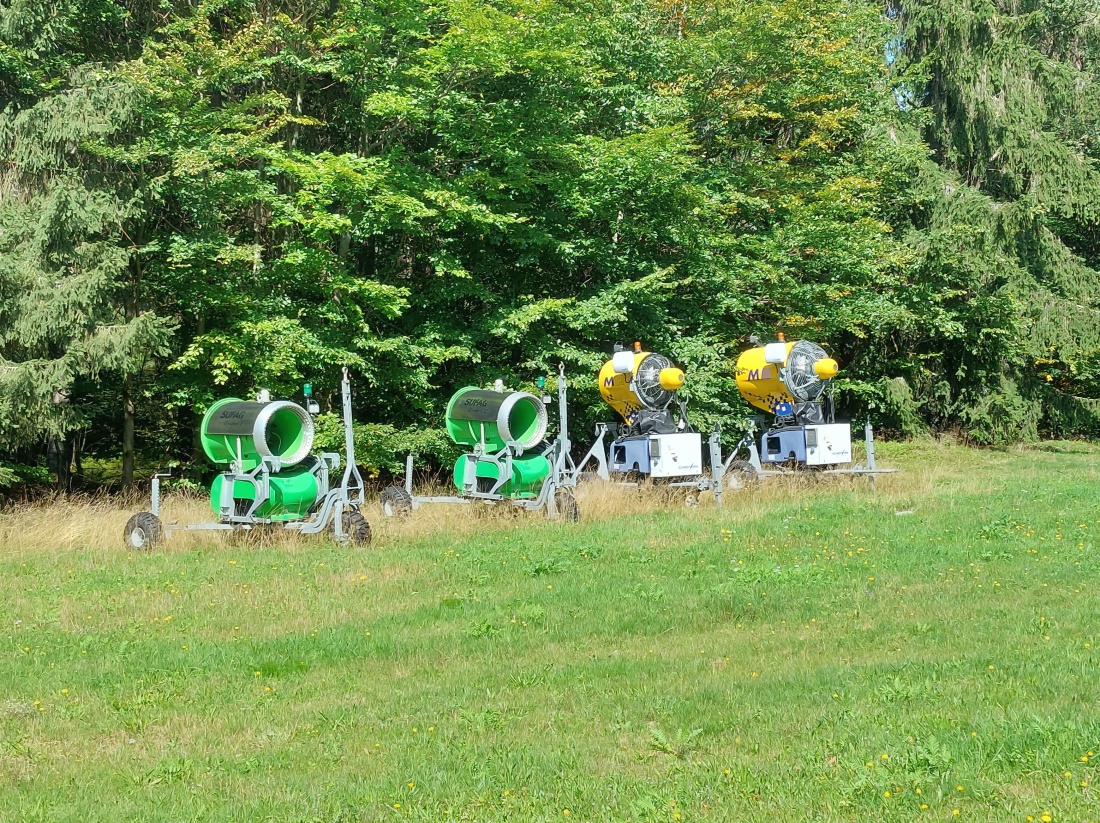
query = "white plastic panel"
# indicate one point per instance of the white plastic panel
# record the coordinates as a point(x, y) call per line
point(775, 353)
point(675, 455)
point(623, 362)
point(833, 444)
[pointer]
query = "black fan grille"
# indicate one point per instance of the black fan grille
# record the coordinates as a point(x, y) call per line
point(799, 376)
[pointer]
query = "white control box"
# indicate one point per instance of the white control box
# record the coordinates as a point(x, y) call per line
point(828, 444)
point(675, 455)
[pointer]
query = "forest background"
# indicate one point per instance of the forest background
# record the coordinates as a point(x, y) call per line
point(205, 197)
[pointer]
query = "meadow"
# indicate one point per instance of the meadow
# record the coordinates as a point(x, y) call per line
point(815, 650)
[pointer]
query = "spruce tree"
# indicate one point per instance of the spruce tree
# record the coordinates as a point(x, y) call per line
point(1006, 96)
point(70, 290)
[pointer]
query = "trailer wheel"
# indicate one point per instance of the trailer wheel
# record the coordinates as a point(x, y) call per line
point(396, 501)
point(567, 506)
point(143, 531)
point(356, 528)
point(741, 473)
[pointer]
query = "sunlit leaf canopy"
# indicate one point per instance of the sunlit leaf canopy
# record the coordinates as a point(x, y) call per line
point(206, 198)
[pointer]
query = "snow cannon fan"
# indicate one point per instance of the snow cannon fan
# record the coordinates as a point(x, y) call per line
point(788, 379)
point(495, 418)
point(641, 386)
point(792, 380)
point(234, 429)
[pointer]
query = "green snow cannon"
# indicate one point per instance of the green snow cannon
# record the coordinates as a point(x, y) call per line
point(492, 419)
point(248, 431)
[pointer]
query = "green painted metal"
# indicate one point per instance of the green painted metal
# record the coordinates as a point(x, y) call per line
point(285, 431)
point(493, 418)
point(293, 493)
point(528, 474)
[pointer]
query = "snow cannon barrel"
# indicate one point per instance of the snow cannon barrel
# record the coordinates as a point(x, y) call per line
point(293, 493)
point(632, 381)
point(528, 472)
point(235, 429)
point(775, 376)
point(495, 418)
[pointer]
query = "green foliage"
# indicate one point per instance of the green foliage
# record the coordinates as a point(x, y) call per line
point(381, 446)
point(1006, 103)
point(207, 199)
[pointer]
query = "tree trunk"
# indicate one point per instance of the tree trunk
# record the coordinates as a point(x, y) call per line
point(59, 450)
point(198, 456)
point(127, 433)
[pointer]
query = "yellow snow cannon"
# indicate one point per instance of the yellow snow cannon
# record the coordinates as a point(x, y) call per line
point(776, 376)
point(635, 381)
point(654, 439)
point(791, 380)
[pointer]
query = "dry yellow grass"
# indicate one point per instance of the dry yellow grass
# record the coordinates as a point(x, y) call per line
point(95, 523)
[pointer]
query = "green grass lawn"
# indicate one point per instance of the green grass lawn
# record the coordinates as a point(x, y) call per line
point(813, 651)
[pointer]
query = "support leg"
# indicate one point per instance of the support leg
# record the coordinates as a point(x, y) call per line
point(717, 468)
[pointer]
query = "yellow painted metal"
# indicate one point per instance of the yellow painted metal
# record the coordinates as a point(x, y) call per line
point(761, 383)
point(826, 368)
point(672, 379)
point(615, 388)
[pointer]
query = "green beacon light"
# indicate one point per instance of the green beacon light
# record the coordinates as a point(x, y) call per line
point(312, 406)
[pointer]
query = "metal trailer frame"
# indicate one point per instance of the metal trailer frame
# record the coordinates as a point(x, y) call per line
point(701, 482)
point(719, 466)
point(348, 495)
point(562, 476)
point(870, 469)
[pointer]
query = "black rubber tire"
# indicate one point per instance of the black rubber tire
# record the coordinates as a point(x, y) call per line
point(396, 501)
point(739, 474)
point(567, 507)
point(356, 528)
point(143, 532)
